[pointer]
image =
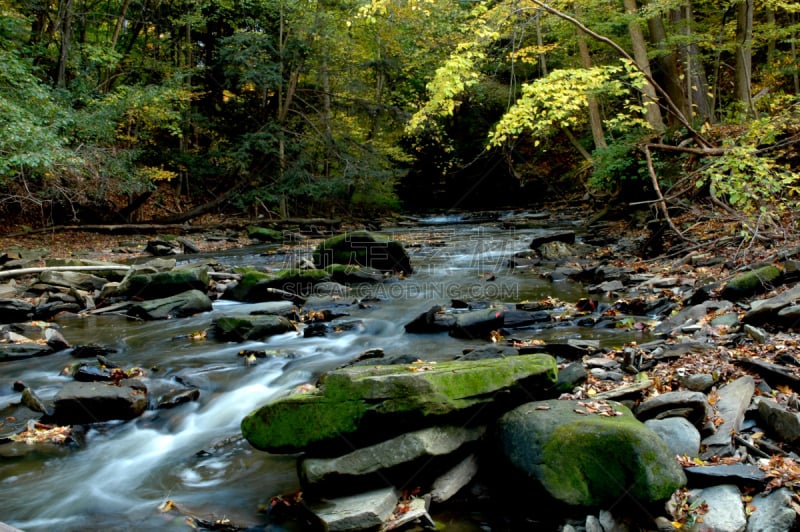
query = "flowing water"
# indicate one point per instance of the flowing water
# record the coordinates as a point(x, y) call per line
point(193, 454)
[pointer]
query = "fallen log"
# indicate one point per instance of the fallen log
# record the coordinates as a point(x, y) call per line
point(25, 271)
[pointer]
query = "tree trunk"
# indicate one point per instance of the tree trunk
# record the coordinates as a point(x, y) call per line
point(696, 89)
point(595, 120)
point(653, 112)
point(744, 51)
point(65, 23)
point(667, 72)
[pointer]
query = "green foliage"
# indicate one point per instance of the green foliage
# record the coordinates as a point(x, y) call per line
point(622, 160)
point(560, 100)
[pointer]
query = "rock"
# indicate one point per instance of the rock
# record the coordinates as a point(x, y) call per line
point(516, 319)
point(763, 310)
point(55, 340)
point(15, 311)
point(758, 334)
point(710, 475)
point(361, 405)
point(287, 285)
point(753, 282)
point(680, 435)
point(555, 251)
point(588, 459)
point(451, 482)
point(734, 398)
point(697, 382)
point(414, 457)
point(366, 511)
point(773, 512)
point(354, 274)
point(773, 374)
point(243, 328)
point(75, 280)
point(180, 305)
point(435, 320)
point(162, 248)
point(488, 351)
point(545, 236)
point(265, 234)
point(691, 405)
point(725, 509)
point(32, 401)
point(477, 323)
point(691, 315)
point(78, 403)
point(364, 249)
point(163, 284)
point(22, 351)
point(779, 420)
point(177, 397)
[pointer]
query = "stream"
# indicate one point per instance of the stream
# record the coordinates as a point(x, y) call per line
point(193, 454)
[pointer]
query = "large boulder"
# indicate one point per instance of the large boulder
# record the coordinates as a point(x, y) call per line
point(361, 405)
point(180, 305)
point(164, 284)
point(588, 453)
point(364, 249)
point(256, 286)
point(752, 282)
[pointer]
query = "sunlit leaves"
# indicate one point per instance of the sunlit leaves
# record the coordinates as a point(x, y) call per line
point(560, 100)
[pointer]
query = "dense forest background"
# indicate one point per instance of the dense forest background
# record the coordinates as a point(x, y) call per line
point(131, 110)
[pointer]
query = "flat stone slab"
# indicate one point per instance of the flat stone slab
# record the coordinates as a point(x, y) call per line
point(364, 511)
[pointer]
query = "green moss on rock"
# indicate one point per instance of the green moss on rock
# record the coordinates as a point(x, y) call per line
point(752, 282)
point(298, 420)
point(364, 249)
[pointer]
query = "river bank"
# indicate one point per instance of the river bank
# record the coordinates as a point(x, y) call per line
point(448, 254)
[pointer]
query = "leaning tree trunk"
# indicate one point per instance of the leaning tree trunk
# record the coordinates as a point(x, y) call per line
point(744, 51)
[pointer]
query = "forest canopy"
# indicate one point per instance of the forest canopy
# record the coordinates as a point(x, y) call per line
point(301, 107)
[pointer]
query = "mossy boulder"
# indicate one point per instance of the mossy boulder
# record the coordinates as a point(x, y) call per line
point(180, 305)
point(588, 453)
point(265, 234)
point(363, 404)
point(752, 282)
point(363, 248)
point(164, 284)
point(256, 286)
point(258, 327)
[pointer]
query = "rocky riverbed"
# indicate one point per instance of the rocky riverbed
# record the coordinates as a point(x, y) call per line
point(710, 368)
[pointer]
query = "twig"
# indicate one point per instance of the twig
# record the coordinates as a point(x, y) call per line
point(662, 203)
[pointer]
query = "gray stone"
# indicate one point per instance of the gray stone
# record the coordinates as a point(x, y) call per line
point(77, 403)
point(15, 311)
point(697, 382)
point(425, 444)
point(449, 483)
point(691, 405)
point(681, 436)
point(251, 327)
point(773, 512)
point(76, 280)
point(593, 524)
point(779, 420)
point(555, 250)
point(761, 310)
point(734, 398)
point(725, 509)
point(757, 333)
point(691, 315)
point(610, 523)
point(180, 305)
point(365, 511)
point(544, 236)
point(729, 319)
